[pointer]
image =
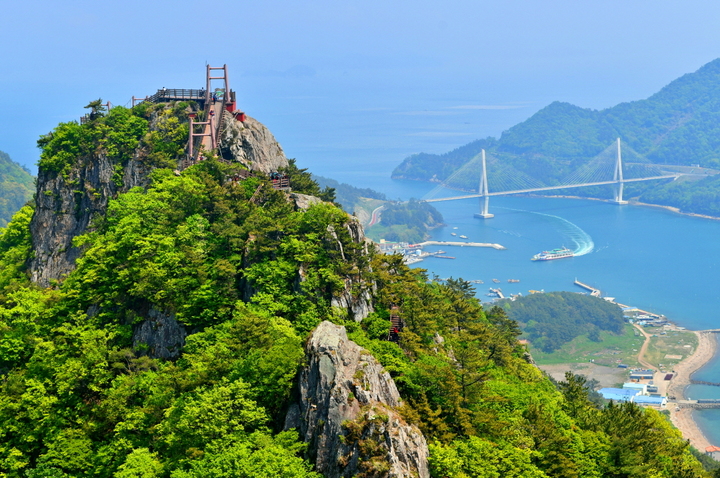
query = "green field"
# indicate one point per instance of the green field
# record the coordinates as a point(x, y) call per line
point(673, 343)
point(611, 350)
point(615, 349)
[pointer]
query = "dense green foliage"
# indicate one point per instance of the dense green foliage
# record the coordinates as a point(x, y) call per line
point(676, 126)
point(488, 413)
point(119, 134)
point(552, 319)
point(77, 401)
point(249, 276)
point(302, 182)
point(699, 197)
point(16, 187)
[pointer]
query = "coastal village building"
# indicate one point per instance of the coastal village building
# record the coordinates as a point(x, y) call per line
point(618, 394)
point(650, 401)
point(641, 387)
point(632, 395)
point(713, 452)
point(642, 374)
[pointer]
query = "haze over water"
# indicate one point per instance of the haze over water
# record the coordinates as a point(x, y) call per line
point(645, 257)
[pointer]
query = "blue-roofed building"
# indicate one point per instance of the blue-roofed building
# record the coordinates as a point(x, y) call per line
point(651, 401)
point(641, 387)
point(618, 394)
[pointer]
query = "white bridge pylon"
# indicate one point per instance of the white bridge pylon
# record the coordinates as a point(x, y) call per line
point(484, 193)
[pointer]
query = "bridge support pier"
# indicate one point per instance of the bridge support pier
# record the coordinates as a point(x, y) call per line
point(483, 189)
point(484, 214)
point(618, 176)
point(618, 199)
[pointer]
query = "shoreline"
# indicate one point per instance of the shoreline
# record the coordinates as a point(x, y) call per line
point(684, 418)
point(633, 202)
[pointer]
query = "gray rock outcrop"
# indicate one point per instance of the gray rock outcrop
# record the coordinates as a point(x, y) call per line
point(252, 144)
point(159, 336)
point(346, 411)
point(304, 201)
point(66, 205)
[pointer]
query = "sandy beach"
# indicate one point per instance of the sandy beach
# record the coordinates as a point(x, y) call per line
point(683, 418)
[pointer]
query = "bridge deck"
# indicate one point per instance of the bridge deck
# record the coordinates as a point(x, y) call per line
point(549, 188)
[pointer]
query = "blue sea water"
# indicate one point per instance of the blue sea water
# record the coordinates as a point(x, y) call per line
point(645, 257)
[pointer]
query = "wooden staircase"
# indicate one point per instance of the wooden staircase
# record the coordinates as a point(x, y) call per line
point(396, 324)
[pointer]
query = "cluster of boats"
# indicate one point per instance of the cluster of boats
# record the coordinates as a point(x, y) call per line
point(461, 235)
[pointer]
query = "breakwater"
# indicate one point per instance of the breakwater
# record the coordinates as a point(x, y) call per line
point(462, 244)
point(703, 382)
point(593, 291)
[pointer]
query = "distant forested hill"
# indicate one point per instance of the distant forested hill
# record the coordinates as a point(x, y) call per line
point(346, 195)
point(16, 187)
point(552, 319)
point(402, 221)
point(679, 125)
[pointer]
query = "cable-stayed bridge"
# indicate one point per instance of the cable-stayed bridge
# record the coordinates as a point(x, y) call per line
point(606, 168)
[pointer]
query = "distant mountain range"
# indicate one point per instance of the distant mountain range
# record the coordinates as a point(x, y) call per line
point(17, 186)
point(680, 125)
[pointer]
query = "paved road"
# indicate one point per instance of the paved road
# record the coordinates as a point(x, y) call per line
point(375, 217)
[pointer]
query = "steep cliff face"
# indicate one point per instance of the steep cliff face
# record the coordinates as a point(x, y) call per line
point(252, 144)
point(67, 204)
point(346, 411)
point(356, 296)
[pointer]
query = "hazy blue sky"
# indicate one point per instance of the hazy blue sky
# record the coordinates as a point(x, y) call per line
point(348, 86)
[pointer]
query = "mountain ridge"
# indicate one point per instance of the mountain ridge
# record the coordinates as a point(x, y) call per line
point(676, 125)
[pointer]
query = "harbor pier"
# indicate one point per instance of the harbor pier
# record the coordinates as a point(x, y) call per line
point(461, 244)
point(593, 291)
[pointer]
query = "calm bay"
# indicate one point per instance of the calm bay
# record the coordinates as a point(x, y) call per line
point(645, 257)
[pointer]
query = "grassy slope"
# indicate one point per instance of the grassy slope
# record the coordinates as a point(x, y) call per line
point(612, 349)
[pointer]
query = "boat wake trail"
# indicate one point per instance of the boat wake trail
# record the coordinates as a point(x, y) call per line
point(583, 243)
